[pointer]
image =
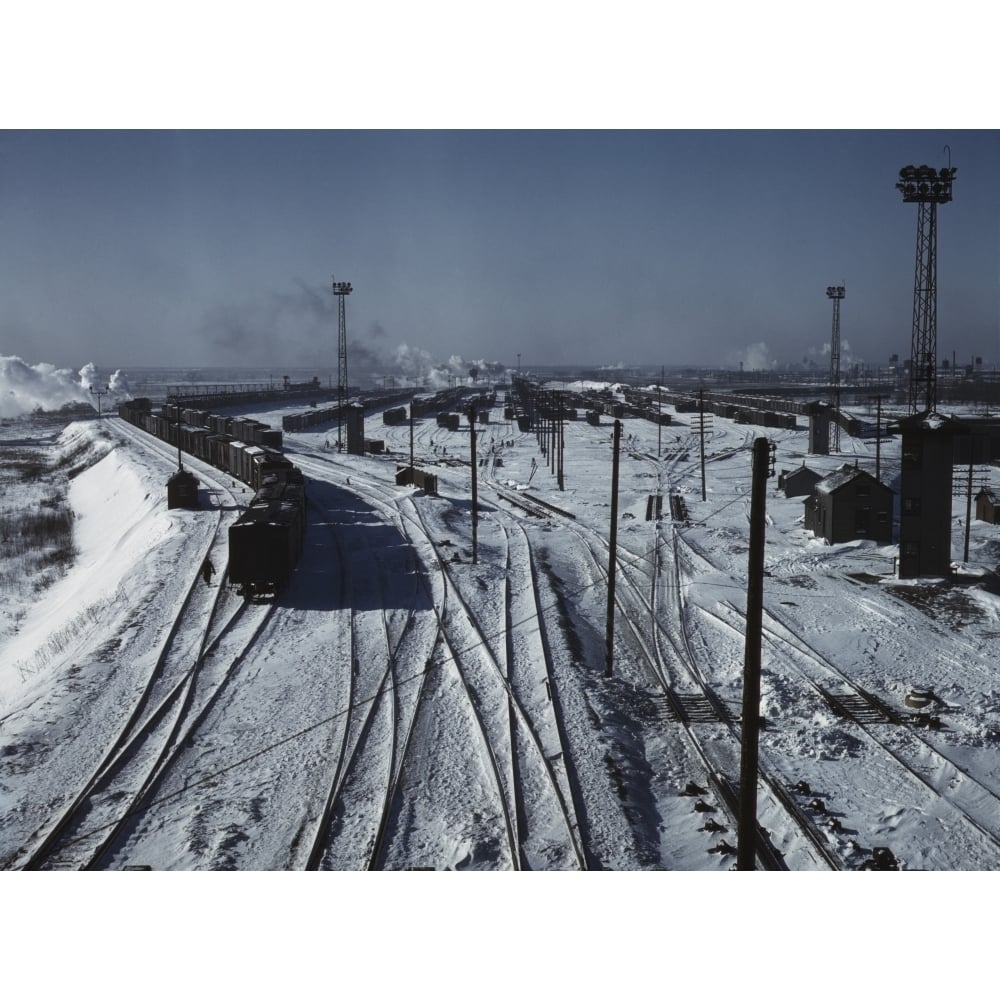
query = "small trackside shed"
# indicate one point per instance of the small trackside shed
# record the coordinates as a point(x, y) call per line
point(987, 507)
point(850, 504)
point(799, 482)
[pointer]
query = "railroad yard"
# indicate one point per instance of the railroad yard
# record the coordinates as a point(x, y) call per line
point(420, 696)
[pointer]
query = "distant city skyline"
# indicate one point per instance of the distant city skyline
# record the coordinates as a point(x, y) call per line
point(594, 248)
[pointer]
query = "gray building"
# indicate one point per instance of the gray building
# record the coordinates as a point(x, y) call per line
point(355, 429)
point(799, 482)
point(850, 504)
point(926, 458)
point(988, 507)
point(819, 429)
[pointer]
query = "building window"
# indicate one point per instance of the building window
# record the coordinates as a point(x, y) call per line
point(911, 455)
point(911, 505)
point(911, 549)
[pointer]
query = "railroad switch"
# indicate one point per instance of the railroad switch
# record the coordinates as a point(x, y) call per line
point(803, 787)
point(703, 807)
point(722, 847)
point(919, 698)
point(882, 860)
point(692, 789)
point(712, 827)
point(817, 805)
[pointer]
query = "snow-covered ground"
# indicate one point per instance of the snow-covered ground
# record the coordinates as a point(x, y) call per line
point(403, 706)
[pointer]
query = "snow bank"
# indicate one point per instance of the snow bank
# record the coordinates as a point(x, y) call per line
point(118, 522)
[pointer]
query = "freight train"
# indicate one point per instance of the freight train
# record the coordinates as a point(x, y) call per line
point(266, 540)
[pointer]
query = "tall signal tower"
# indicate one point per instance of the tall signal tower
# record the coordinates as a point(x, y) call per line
point(836, 293)
point(341, 289)
point(928, 188)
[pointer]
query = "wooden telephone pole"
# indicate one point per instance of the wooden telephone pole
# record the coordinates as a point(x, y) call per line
point(609, 653)
point(475, 485)
point(747, 819)
point(701, 433)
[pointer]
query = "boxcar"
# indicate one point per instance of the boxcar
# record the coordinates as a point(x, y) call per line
point(265, 543)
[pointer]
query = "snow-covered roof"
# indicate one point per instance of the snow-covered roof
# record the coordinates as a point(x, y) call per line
point(931, 420)
point(842, 476)
point(803, 471)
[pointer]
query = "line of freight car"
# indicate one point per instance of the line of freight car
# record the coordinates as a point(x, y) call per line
point(242, 428)
point(249, 463)
point(266, 540)
point(311, 418)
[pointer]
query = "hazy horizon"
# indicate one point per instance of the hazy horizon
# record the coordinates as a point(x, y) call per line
point(602, 248)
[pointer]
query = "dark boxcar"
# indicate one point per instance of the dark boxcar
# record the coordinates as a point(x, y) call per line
point(264, 545)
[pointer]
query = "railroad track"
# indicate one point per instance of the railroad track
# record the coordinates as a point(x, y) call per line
point(690, 699)
point(499, 671)
point(977, 804)
point(885, 729)
point(689, 704)
point(349, 833)
point(535, 694)
point(84, 832)
point(454, 654)
point(518, 751)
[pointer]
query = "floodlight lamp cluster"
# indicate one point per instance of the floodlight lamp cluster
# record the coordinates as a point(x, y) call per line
point(836, 291)
point(342, 288)
point(925, 184)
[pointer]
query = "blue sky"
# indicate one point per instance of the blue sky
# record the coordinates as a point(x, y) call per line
point(644, 247)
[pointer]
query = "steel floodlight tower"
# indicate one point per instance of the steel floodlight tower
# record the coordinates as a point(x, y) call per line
point(836, 293)
point(928, 188)
point(341, 289)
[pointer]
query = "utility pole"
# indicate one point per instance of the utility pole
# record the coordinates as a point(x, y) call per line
point(556, 402)
point(562, 445)
point(99, 393)
point(552, 431)
point(968, 497)
point(609, 653)
point(659, 414)
point(747, 819)
point(475, 484)
point(539, 418)
point(412, 401)
point(701, 422)
point(341, 289)
point(177, 408)
point(878, 439)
